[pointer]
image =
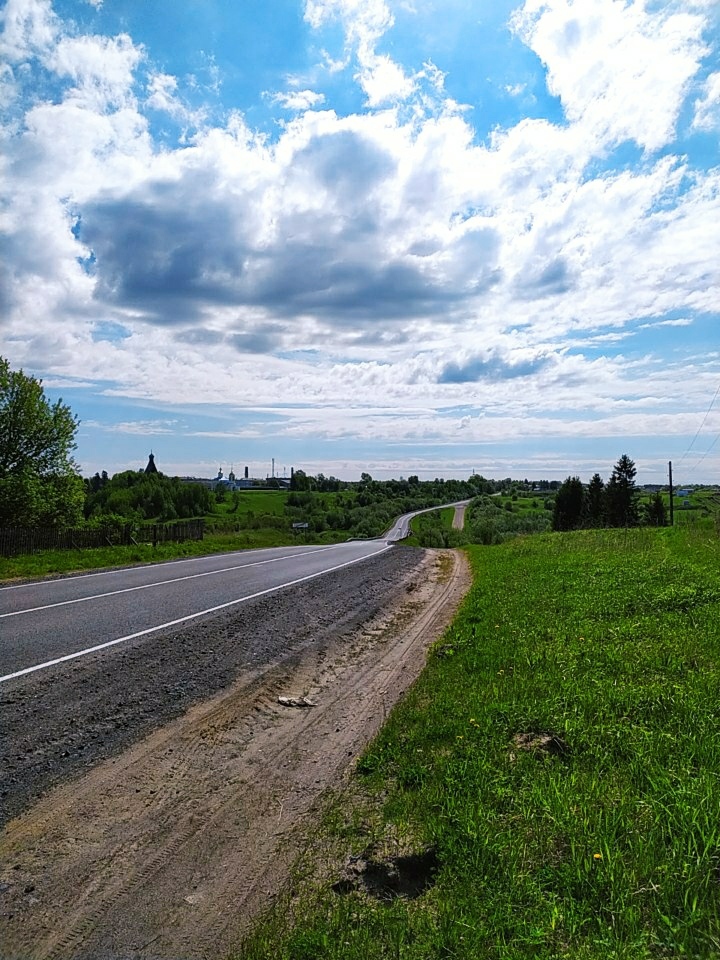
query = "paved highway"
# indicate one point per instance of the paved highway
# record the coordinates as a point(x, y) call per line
point(54, 621)
point(401, 528)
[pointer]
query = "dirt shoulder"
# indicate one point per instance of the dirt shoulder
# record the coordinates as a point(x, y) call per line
point(170, 847)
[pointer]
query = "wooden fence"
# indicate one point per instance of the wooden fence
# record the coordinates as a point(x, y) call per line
point(15, 540)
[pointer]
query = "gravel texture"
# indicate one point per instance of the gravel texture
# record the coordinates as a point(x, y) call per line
point(59, 723)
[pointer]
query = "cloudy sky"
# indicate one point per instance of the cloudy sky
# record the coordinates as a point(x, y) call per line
point(403, 236)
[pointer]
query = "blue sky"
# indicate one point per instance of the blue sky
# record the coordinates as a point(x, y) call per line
point(404, 237)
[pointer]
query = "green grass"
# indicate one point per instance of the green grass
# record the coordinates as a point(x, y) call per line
point(609, 640)
point(529, 505)
point(258, 502)
point(426, 522)
point(48, 562)
point(701, 506)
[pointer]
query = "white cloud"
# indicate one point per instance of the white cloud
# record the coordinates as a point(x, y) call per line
point(299, 100)
point(680, 322)
point(143, 428)
point(707, 107)
point(365, 22)
point(101, 67)
point(163, 95)
point(162, 90)
point(9, 89)
point(385, 255)
point(28, 26)
point(621, 70)
point(383, 80)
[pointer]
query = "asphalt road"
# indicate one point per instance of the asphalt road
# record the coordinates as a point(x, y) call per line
point(51, 619)
point(401, 528)
point(60, 620)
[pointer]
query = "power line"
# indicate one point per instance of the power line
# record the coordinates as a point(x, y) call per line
point(709, 449)
point(707, 414)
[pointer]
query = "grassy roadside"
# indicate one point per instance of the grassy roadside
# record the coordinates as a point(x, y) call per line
point(49, 562)
point(560, 758)
point(431, 521)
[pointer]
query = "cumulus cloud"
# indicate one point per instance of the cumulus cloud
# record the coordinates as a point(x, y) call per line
point(29, 27)
point(365, 22)
point(102, 68)
point(620, 69)
point(388, 252)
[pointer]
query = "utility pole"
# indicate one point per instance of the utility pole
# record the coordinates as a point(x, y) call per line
point(671, 492)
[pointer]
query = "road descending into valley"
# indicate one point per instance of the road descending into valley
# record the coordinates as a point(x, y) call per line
point(55, 621)
point(151, 775)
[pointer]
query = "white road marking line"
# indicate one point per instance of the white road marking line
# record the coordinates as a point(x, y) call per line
point(191, 616)
point(147, 586)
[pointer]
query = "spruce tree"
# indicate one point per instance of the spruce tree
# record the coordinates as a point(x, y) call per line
point(621, 494)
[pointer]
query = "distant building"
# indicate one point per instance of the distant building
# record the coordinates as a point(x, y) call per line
point(233, 482)
point(151, 468)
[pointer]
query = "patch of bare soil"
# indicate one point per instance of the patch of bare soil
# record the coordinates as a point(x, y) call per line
point(169, 849)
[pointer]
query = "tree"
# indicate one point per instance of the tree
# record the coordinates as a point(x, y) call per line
point(569, 502)
point(621, 494)
point(299, 480)
point(657, 511)
point(595, 501)
point(39, 480)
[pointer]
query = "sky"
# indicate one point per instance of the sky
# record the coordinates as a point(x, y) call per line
point(429, 237)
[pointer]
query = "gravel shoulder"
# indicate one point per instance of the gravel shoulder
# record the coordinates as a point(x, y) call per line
point(155, 799)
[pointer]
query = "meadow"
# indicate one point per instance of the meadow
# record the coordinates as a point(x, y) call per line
point(555, 772)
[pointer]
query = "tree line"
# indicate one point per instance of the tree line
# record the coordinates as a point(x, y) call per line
point(612, 504)
point(41, 486)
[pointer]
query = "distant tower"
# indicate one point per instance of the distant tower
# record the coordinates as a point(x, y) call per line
point(231, 475)
point(247, 472)
point(151, 468)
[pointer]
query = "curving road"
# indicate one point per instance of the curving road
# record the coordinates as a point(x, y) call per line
point(401, 528)
point(49, 622)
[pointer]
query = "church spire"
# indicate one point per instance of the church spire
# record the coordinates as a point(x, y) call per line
point(151, 468)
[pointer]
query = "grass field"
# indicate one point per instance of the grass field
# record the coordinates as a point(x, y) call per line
point(47, 562)
point(257, 502)
point(557, 765)
point(700, 503)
